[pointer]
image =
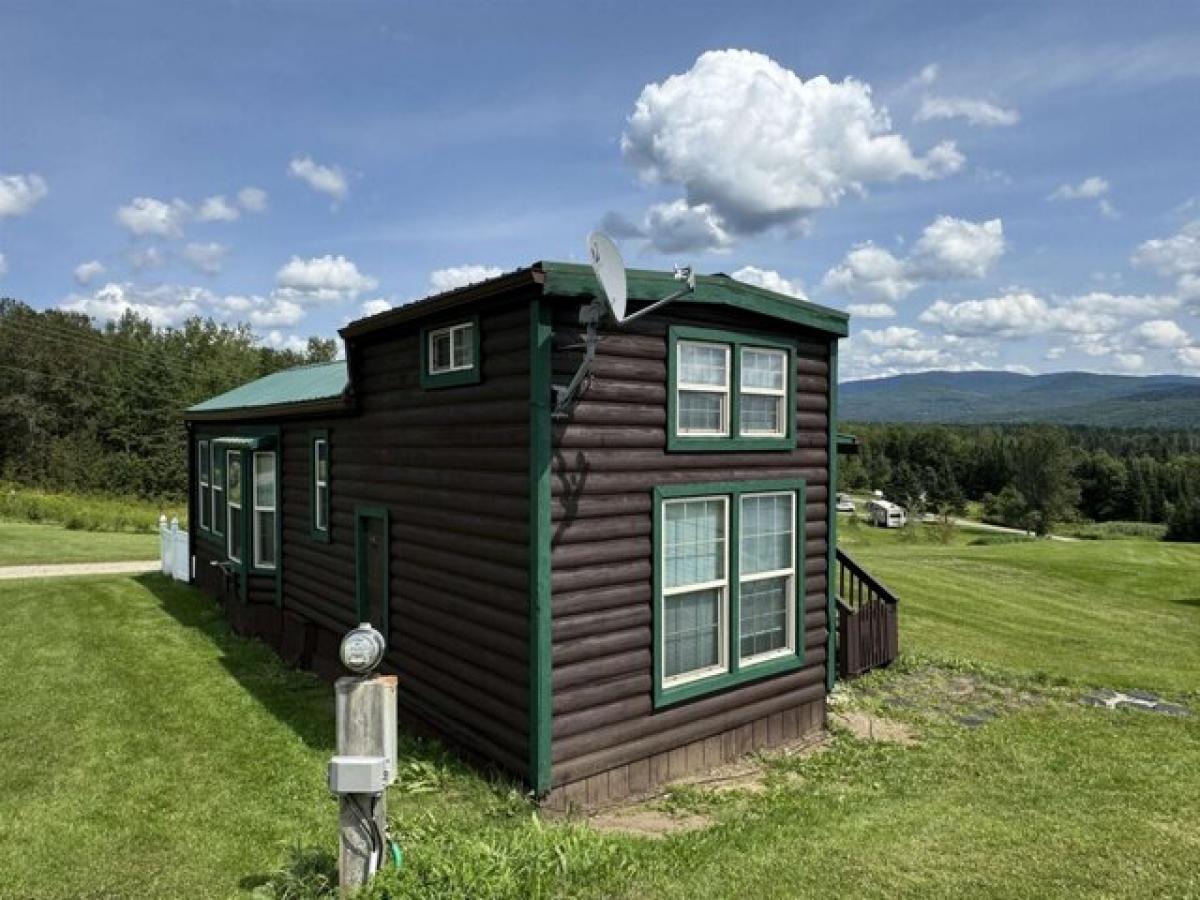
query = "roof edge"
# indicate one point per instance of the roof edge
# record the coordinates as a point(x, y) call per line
point(321, 405)
point(432, 305)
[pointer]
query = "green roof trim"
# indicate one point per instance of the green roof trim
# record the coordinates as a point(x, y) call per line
point(573, 279)
point(303, 384)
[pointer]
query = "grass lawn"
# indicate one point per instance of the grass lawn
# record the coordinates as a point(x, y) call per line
point(148, 753)
point(1120, 613)
point(26, 543)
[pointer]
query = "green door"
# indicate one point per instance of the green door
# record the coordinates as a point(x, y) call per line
point(372, 556)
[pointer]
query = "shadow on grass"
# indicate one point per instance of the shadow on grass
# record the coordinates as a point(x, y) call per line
point(299, 700)
point(1189, 601)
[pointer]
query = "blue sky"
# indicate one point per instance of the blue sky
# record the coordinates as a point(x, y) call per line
point(1014, 185)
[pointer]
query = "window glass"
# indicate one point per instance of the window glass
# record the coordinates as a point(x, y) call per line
point(767, 569)
point(764, 616)
point(763, 369)
point(691, 632)
point(694, 543)
point(264, 479)
point(264, 510)
point(321, 485)
point(703, 364)
point(452, 349)
point(766, 523)
point(763, 391)
point(440, 353)
point(761, 414)
point(233, 502)
point(464, 346)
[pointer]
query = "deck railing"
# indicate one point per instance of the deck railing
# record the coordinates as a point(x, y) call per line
point(868, 630)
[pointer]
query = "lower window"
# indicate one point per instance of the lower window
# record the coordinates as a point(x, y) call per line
point(727, 606)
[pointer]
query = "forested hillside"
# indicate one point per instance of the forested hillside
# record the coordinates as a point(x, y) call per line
point(100, 409)
point(1034, 476)
point(1060, 398)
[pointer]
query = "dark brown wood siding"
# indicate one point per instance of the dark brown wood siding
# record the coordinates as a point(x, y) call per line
point(607, 458)
point(451, 466)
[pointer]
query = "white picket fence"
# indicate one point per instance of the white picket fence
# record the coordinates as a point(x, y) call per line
point(173, 543)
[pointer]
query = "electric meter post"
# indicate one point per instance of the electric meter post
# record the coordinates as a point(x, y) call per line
point(365, 763)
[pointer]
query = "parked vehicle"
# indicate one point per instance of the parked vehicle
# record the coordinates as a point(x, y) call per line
point(845, 503)
point(885, 514)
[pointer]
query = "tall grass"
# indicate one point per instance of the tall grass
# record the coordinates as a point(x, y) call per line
point(83, 512)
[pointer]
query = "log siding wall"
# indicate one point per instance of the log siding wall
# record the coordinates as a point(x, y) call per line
point(451, 467)
point(606, 459)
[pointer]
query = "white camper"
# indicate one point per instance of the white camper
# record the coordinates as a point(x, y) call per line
point(884, 514)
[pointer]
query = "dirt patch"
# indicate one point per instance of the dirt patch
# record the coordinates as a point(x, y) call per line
point(642, 821)
point(875, 728)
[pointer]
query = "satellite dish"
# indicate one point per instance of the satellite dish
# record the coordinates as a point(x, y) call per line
point(610, 272)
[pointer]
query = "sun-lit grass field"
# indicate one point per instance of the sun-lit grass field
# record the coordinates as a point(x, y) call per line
point(149, 753)
point(28, 543)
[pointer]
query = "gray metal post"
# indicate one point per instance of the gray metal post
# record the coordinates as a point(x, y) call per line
point(366, 726)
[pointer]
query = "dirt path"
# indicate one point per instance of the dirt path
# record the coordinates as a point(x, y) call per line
point(93, 568)
point(1001, 529)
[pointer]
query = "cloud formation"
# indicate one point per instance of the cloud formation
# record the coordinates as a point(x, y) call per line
point(442, 280)
point(252, 199)
point(974, 112)
point(771, 280)
point(755, 146)
point(1088, 189)
point(949, 249)
point(85, 272)
point(150, 216)
point(1176, 257)
point(323, 278)
point(20, 193)
point(205, 258)
point(328, 180)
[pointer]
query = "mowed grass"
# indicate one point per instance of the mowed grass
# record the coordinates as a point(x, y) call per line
point(149, 753)
point(26, 543)
point(1124, 614)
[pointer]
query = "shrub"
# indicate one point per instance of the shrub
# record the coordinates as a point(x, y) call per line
point(1184, 523)
point(85, 512)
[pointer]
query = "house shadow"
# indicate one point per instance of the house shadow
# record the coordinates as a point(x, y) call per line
point(1188, 601)
point(299, 700)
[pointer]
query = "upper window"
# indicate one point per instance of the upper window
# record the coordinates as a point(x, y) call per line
point(450, 354)
point(727, 604)
point(264, 511)
point(729, 391)
point(319, 488)
point(204, 497)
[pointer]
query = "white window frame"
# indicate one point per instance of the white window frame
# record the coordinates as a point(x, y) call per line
point(722, 585)
point(319, 485)
point(217, 487)
point(231, 504)
point(789, 648)
point(780, 394)
point(725, 392)
point(456, 332)
point(256, 507)
point(204, 501)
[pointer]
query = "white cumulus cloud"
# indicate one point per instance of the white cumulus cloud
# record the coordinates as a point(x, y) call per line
point(677, 226)
point(894, 336)
point(162, 305)
point(975, 112)
point(376, 306)
point(206, 258)
point(86, 271)
point(20, 193)
point(1189, 357)
point(217, 209)
point(252, 199)
point(771, 280)
point(151, 216)
point(1177, 257)
point(756, 146)
point(1088, 189)
point(328, 180)
point(1160, 334)
point(323, 278)
point(441, 280)
point(3, 265)
point(871, 310)
point(949, 249)
point(1013, 314)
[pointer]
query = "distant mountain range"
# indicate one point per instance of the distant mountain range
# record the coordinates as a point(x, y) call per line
point(1062, 398)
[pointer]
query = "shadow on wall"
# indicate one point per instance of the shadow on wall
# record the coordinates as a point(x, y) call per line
point(299, 700)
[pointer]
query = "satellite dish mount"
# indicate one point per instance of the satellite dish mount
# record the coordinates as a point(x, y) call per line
point(613, 298)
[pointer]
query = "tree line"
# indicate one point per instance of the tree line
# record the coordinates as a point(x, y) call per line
point(99, 409)
point(1033, 476)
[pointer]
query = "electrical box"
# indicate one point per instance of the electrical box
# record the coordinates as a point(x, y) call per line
point(358, 774)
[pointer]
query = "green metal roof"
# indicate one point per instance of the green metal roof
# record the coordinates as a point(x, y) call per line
point(303, 384)
point(573, 279)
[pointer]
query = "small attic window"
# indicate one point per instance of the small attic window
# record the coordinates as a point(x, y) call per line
point(450, 354)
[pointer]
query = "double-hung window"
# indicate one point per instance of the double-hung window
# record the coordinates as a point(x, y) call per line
point(450, 354)
point(218, 490)
point(319, 488)
point(729, 391)
point(204, 478)
point(727, 598)
point(264, 511)
point(233, 502)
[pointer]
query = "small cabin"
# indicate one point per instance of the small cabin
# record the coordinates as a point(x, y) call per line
point(596, 599)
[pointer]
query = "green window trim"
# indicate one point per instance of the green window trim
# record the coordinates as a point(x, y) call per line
point(736, 341)
point(459, 377)
point(360, 576)
point(318, 493)
point(204, 479)
point(736, 673)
